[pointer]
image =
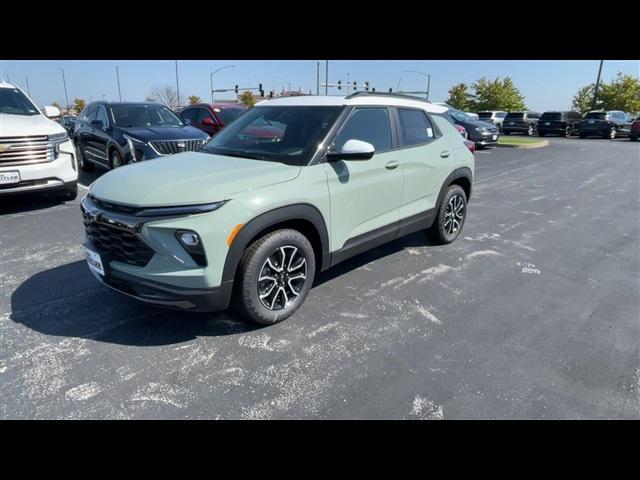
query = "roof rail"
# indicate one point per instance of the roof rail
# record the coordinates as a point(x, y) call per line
point(387, 94)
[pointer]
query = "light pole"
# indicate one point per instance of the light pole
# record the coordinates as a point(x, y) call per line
point(211, 78)
point(177, 84)
point(424, 75)
point(64, 83)
point(595, 92)
point(326, 77)
point(118, 77)
point(28, 90)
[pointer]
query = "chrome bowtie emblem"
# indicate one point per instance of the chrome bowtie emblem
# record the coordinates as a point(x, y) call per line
point(181, 145)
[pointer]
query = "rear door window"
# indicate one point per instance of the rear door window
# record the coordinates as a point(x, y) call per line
point(190, 114)
point(415, 127)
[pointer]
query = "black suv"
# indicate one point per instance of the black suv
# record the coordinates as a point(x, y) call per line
point(525, 122)
point(605, 124)
point(563, 123)
point(68, 122)
point(113, 134)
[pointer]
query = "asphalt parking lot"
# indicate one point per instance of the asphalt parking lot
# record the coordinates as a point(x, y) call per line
point(532, 313)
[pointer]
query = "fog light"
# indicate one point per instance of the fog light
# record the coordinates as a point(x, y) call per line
point(190, 239)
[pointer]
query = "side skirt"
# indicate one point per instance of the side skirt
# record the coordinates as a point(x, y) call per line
point(367, 241)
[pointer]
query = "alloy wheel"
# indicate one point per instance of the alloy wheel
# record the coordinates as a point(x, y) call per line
point(116, 161)
point(612, 133)
point(454, 215)
point(282, 277)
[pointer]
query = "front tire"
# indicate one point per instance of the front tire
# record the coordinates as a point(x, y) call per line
point(115, 159)
point(530, 131)
point(274, 277)
point(82, 163)
point(612, 134)
point(451, 216)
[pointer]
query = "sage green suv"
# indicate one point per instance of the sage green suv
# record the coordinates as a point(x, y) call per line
point(292, 187)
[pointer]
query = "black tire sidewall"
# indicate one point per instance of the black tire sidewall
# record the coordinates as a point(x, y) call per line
point(437, 231)
point(111, 155)
point(82, 162)
point(246, 300)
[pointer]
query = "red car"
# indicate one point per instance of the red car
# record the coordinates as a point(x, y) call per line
point(635, 130)
point(211, 118)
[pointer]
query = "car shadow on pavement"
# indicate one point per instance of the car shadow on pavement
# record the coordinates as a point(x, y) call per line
point(28, 202)
point(418, 239)
point(67, 301)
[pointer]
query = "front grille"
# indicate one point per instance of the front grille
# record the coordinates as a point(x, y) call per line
point(169, 147)
point(123, 244)
point(26, 150)
point(493, 129)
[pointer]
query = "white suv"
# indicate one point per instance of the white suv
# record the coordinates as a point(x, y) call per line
point(35, 152)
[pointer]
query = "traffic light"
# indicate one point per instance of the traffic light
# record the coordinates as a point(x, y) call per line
point(366, 86)
point(373, 89)
point(236, 89)
point(261, 90)
point(355, 85)
point(271, 94)
point(339, 84)
point(389, 89)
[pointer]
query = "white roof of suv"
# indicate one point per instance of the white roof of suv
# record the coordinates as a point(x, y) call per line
point(363, 99)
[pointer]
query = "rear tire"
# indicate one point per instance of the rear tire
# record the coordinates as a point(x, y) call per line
point(279, 258)
point(612, 134)
point(451, 216)
point(530, 131)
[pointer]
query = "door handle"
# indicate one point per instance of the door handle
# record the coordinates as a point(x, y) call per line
point(392, 164)
point(445, 153)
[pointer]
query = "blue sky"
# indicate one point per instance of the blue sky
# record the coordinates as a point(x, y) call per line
point(546, 85)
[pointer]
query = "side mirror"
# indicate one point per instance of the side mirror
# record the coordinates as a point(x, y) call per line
point(352, 150)
point(208, 121)
point(97, 124)
point(50, 111)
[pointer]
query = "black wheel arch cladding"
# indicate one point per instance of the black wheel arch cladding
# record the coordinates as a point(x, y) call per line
point(274, 218)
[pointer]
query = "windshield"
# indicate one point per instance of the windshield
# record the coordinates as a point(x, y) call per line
point(460, 116)
point(278, 134)
point(551, 116)
point(228, 115)
point(145, 116)
point(515, 116)
point(596, 115)
point(14, 102)
point(485, 115)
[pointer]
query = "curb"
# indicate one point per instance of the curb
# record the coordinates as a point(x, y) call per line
point(544, 143)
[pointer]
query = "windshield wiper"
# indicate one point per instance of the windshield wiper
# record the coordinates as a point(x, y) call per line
point(242, 155)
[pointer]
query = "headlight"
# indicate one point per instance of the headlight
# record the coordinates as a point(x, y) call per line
point(59, 137)
point(479, 129)
point(191, 242)
point(132, 142)
point(206, 140)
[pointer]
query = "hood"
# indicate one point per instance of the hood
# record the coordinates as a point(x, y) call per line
point(147, 134)
point(26, 125)
point(188, 178)
point(478, 124)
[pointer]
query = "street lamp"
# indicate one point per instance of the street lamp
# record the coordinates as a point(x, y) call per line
point(424, 75)
point(64, 83)
point(211, 78)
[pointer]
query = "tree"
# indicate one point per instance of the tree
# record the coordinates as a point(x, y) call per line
point(583, 99)
point(247, 99)
point(193, 99)
point(57, 105)
point(497, 95)
point(623, 93)
point(166, 95)
point(459, 97)
point(78, 105)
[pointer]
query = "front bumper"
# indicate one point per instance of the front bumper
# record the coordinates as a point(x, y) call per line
point(485, 139)
point(166, 275)
point(160, 294)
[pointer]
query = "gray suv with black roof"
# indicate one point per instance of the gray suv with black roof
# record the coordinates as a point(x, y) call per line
point(521, 122)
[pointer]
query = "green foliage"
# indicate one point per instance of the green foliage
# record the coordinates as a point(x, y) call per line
point(459, 97)
point(497, 95)
point(247, 99)
point(583, 99)
point(193, 99)
point(78, 105)
point(623, 93)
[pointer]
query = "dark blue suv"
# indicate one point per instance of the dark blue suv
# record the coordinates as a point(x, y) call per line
point(112, 134)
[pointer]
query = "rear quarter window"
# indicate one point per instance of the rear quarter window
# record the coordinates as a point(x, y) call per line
point(415, 127)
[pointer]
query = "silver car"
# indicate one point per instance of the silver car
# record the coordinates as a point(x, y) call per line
point(495, 117)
